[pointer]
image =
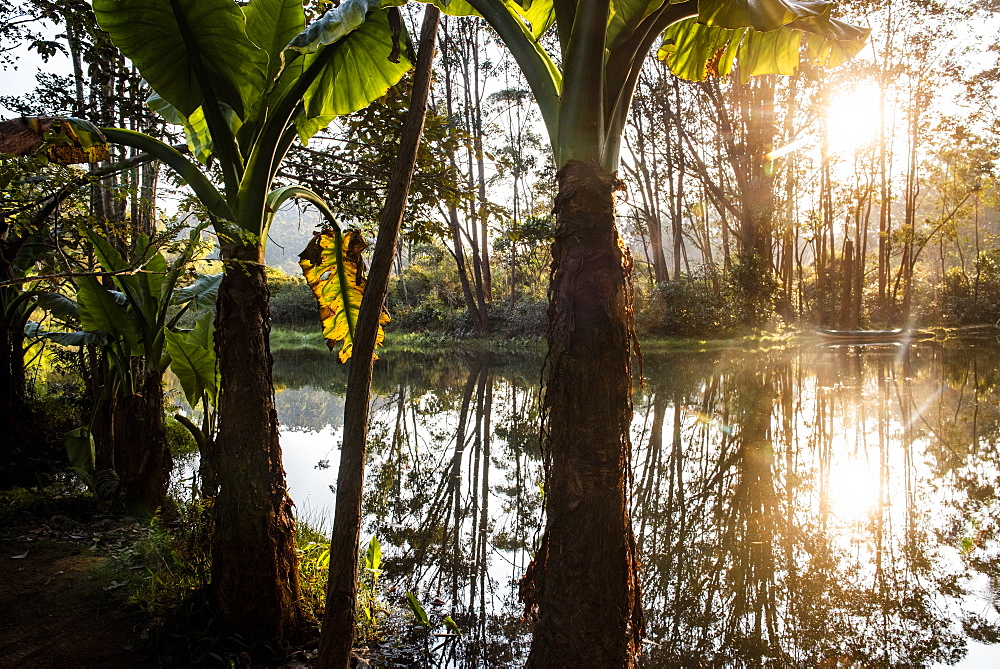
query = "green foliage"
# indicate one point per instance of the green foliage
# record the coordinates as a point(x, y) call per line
point(712, 44)
point(180, 440)
point(419, 614)
point(168, 562)
point(353, 171)
point(292, 301)
point(427, 625)
point(429, 316)
point(527, 318)
point(134, 320)
point(752, 287)
point(239, 78)
point(192, 359)
point(973, 299)
point(372, 610)
point(314, 566)
point(685, 307)
point(81, 451)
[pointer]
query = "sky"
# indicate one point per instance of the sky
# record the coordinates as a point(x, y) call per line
point(20, 78)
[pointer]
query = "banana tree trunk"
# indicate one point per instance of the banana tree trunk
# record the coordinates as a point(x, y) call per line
point(141, 457)
point(583, 578)
point(254, 565)
point(12, 393)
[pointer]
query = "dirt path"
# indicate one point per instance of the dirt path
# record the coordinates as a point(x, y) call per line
point(54, 613)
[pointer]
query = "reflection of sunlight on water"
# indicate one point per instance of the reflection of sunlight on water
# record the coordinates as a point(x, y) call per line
point(853, 488)
point(457, 522)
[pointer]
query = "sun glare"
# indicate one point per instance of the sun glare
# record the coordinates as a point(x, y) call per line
point(852, 118)
point(853, 489)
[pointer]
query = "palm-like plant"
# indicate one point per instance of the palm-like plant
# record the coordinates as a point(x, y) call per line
point(583, 579)
point(131, 325)
point(246, 80)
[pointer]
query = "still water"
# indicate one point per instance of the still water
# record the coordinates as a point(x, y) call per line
point(793, 507)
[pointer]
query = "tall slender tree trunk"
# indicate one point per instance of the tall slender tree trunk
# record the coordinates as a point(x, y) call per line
point(340, 617)
point(846, 284)
point(254, 565)
point(583, 578)
point(12, 378)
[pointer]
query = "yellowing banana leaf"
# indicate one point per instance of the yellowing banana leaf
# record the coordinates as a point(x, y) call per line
point(695, 51)
point(66, 140)
point(333, 268)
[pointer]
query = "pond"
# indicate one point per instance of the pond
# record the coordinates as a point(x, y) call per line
point(797, 506)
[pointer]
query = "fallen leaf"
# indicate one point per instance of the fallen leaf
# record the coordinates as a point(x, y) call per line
point(19, 557)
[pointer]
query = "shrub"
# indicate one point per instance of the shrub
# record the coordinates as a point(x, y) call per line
point(685, 307)
point(527, 318)
point(968, 302)
point(292, 301)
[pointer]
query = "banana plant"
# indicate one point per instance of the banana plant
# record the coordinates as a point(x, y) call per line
point(583, 582)
point(245, 80)
point(192, 360)
point(131, 325)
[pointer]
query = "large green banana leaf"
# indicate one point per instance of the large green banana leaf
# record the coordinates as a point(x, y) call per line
point(272, 25)
point(272, 35)
point(201, 294)
point(192, 359)
point(359, 72)
point(188, 50)
point(100, 311)
point(761, 15)
point(196, 133)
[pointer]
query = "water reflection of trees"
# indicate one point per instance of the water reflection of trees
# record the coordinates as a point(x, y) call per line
point(753, 556)
point(798, 507)
point(453, 488)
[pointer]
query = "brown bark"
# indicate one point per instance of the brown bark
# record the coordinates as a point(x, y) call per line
point(475, 307)
point(254, 565)
point(583, 579)
point(337, 635)
point(12, 379)
point(141, 456)
point(847, 282)
point(12, 390)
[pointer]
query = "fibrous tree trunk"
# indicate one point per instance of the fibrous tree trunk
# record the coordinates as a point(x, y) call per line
point(12, 391)
point(340, 617)
point(254, 565)
point(583, 579)
point(141, 457)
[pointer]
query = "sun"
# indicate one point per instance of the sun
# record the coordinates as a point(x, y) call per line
point(852, 118)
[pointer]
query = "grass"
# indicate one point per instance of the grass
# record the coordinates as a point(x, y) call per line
point(406, 342)
point(425, 342)
point(296, 338)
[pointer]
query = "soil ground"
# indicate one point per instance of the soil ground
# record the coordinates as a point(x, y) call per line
point(55, 612)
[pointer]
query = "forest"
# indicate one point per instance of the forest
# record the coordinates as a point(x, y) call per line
point(554, 333)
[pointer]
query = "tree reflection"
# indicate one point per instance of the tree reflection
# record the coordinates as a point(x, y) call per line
point(793, 507)
point(768, 566)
